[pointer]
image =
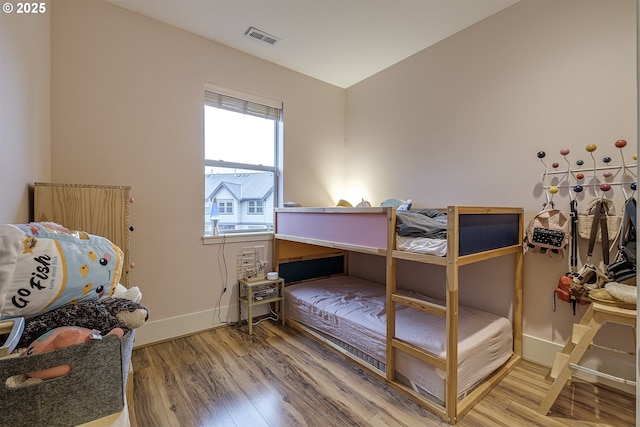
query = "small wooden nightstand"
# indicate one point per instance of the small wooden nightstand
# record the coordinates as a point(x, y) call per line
point(258, 292)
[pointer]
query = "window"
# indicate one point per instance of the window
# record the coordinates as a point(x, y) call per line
point(255, 207)
point(242, 136)
point(226, 207)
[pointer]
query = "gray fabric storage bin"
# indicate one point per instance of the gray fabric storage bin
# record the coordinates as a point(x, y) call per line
point(93, 389)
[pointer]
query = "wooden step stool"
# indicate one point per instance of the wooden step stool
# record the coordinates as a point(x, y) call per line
point(567, 360)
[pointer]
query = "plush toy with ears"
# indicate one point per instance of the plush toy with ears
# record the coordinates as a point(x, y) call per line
point(64, 336)
point(102, 315)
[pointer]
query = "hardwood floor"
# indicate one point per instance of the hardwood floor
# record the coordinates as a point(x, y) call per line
point(281, 377)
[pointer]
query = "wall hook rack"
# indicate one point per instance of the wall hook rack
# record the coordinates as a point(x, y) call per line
point(598, 179)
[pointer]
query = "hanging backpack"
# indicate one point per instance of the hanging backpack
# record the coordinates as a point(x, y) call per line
point(624, 267)
point(548, 233)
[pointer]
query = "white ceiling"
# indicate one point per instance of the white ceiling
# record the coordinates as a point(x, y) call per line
point(337, 41)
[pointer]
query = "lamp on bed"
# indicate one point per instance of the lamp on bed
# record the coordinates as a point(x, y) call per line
point(214, 216)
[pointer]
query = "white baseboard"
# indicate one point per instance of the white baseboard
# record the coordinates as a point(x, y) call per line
point(616, 364)
point(174, 327)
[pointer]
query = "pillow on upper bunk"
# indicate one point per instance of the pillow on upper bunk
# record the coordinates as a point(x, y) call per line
point(44, 266)
point(394, 203)
point(400, 205)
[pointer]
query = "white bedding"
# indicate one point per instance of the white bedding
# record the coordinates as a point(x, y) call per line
point(353, 310)
point(422, 245)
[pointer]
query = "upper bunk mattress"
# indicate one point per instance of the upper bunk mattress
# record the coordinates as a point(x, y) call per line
point(353, 310)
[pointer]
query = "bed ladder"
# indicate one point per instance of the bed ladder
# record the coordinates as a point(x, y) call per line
point(582, 337)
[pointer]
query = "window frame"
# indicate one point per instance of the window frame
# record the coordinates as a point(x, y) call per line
point(257, 205)
point(255, 104)
point(226, 206)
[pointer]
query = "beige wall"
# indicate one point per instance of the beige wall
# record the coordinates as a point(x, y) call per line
point(127, 109)
point(461, 123)
point(24, 110)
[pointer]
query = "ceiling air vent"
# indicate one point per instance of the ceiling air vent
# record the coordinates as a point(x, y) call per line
point(262, 36)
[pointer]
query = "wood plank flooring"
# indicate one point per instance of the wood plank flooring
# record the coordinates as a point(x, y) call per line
point(280, 377)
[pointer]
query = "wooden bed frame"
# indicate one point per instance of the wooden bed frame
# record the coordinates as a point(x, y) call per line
point(474, 234)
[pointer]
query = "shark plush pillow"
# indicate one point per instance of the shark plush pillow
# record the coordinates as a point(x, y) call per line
point(44, 266)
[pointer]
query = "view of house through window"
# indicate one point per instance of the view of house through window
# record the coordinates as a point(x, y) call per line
point(240, 149)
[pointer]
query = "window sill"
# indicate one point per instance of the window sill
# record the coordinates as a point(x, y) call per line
point(237, 238)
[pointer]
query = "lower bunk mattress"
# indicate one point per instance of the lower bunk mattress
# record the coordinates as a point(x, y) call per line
point(352, 310)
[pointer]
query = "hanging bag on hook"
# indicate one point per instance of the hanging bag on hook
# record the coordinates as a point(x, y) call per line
point(587, 216)
point(591, 277)
point(563, 291)
point(588, 278)
point(548, 233)
point(600, 221)
point(624, 267)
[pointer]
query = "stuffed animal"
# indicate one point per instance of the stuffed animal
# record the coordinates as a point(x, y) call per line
point(101, 315)
point(64, 336)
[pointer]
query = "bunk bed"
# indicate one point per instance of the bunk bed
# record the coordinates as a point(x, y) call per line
point(424, 348)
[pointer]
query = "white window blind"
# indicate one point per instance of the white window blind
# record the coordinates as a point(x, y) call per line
point(228, 99)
